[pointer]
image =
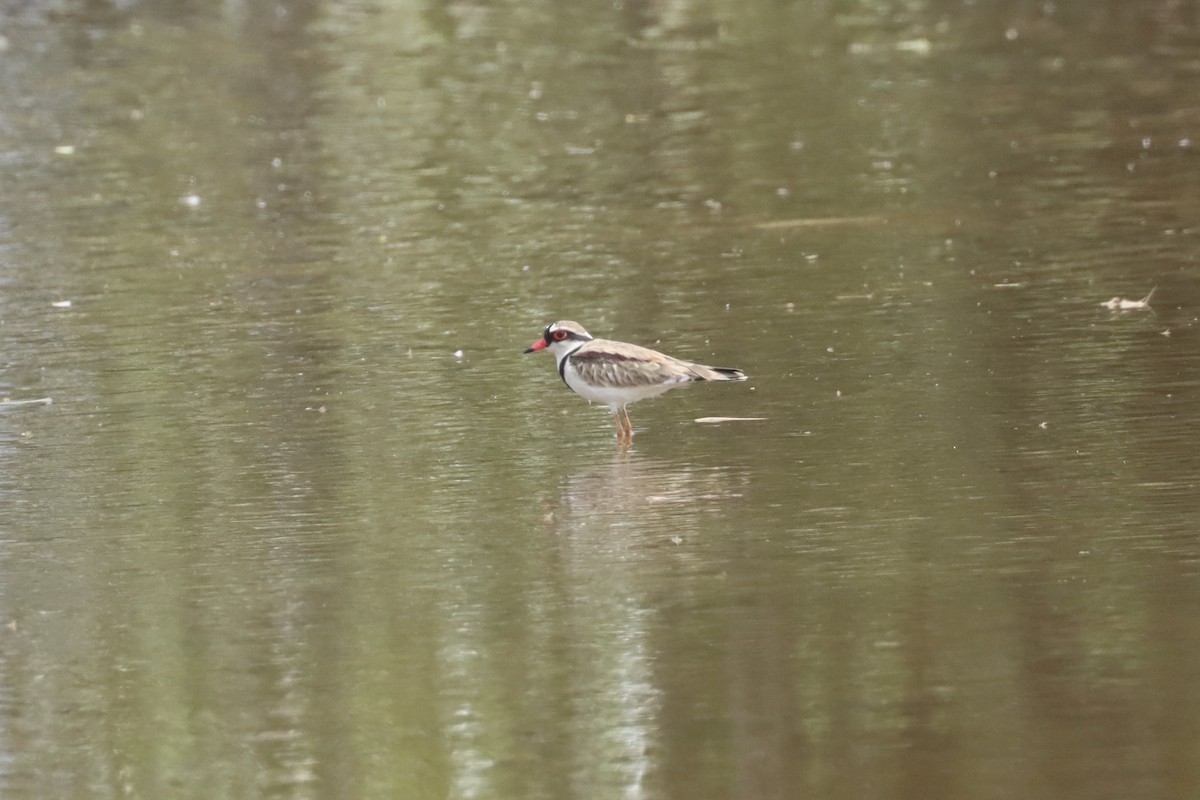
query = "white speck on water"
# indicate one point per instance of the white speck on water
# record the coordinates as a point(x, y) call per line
point(458, 354)
point(61, 304)
point(65, 150)
point(919, 46)
point(190, 200)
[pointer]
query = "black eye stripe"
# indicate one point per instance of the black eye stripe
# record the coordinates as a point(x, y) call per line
point(553, 334)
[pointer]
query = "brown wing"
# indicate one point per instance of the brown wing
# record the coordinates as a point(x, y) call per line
point(607, 363)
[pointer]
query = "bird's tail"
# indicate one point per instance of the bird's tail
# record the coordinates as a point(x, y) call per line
point(723, 374)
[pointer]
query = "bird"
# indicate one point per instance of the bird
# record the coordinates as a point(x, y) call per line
point(618, 373)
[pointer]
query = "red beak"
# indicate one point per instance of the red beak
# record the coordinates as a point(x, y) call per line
point(540, 344)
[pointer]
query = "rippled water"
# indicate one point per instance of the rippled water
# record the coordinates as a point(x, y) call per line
point(302, 521)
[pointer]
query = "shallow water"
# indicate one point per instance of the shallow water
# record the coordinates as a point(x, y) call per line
point(302, 521)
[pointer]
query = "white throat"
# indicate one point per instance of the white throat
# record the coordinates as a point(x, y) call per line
point(564, 349)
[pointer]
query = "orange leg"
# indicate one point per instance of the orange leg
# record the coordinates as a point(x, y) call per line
point(624, 427)
point(620, 427)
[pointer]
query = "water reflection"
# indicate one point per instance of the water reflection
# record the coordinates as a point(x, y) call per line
point(274, 538)
point(618, 528)
point(647, 496)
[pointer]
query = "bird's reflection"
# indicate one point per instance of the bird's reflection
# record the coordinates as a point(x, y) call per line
point(650, 500)
point(625, 534)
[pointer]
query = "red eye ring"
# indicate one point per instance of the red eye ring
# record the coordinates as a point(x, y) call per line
point(559, 335)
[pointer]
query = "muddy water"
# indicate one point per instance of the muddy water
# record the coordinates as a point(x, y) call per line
point(302, 521)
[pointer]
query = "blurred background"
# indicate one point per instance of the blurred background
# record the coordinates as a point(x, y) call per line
point(284, 512)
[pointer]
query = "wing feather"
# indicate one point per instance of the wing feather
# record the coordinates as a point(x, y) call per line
point(618, 364)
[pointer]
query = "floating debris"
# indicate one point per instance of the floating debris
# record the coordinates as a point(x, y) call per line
point(61, 304)
point(921, 47)
point(821, 222)
point(717, 420)
point(40, 401)
point(1124, 304)
point(683, 496)
point(65, 150)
